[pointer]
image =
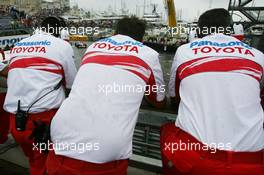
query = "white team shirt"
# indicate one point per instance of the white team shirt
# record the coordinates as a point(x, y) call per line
point(192, 35)
point(238, 29)
point(218, 80)
point(4, 57)
point(103, 120)
point(2, 65)
point(38, 64)
point(64, 34)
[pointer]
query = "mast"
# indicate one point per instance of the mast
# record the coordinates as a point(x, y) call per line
point(210, 4)
point(144, 7)
point(171, 13)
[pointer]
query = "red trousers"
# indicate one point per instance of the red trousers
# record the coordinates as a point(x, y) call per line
point(4, 120)
point(61, 165)
point(192, 161)
point(239, 37)
point(37, 160)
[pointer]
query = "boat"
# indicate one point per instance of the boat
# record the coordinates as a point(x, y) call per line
point(153, 18)
point(256, 30)
point(81, 45)
point(157, 36)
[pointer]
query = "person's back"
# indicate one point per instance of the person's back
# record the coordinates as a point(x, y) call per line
point(41, 69)
point(116, 71)
point(38, 66)
point(220, 101)
point(216, 81)
point(100, 114)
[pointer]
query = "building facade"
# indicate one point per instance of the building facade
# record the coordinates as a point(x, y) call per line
point(29, 6)
point(33, 6)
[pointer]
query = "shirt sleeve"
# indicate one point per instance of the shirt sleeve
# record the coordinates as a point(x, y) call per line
point(3, 63)
point(174, 81)
point(155, 91)
point(69, 67)
point(2, 66)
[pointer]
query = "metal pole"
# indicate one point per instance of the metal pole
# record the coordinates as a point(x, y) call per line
point(144, 7)
point(210, 4)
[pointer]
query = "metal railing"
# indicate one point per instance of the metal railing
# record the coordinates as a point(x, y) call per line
point(254, 14)
point(146, 139)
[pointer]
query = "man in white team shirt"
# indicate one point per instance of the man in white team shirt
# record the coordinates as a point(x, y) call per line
point(219, 128)
point(239, 32)
point(41, 70)
point(65, 35)
point(92, 131)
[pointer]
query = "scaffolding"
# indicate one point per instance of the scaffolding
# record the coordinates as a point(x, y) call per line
point(254, 14)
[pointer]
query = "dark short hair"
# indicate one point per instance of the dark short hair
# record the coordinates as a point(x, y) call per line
point(53, 25)
point(214, 19)
point(132, 27)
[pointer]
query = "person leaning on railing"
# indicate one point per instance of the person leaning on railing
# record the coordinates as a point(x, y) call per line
point(98, 122)
point(216, 82)
point(41, 71)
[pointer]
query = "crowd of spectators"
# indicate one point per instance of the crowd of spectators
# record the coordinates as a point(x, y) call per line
point(21, 19)
point(90, 23)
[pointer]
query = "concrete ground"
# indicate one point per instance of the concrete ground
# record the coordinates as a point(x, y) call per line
point(7, 168)
point(13, 161)
point(135, 171)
